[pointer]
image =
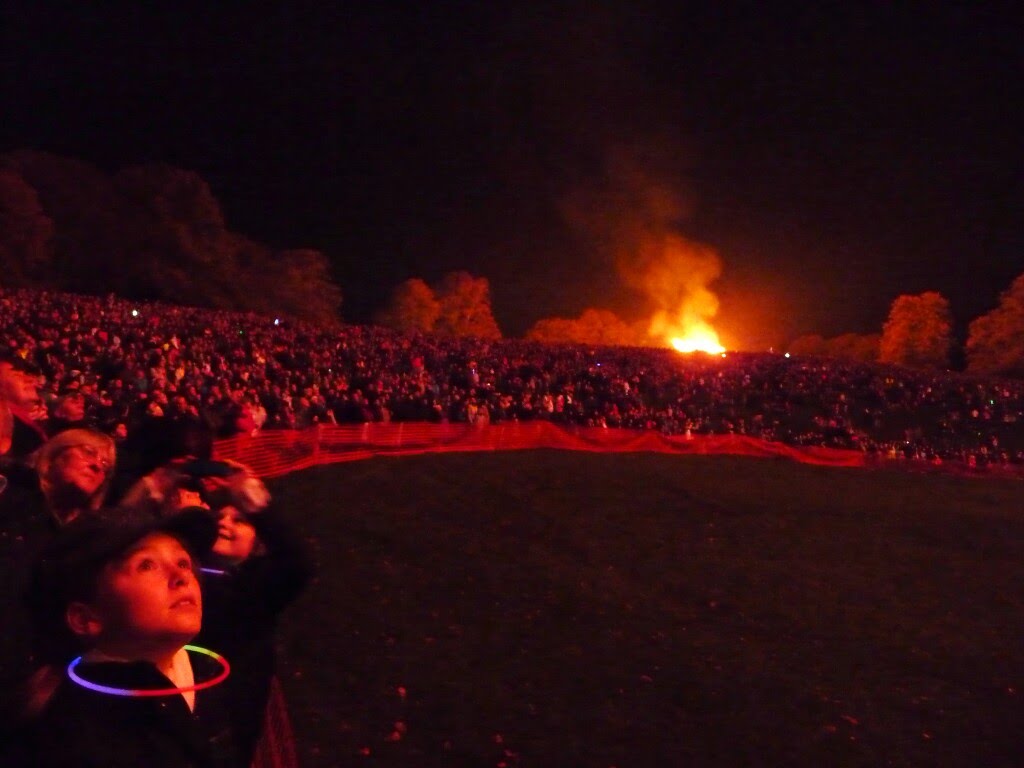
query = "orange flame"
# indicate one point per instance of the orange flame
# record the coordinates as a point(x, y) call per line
point(675, 273)
point(700, 337)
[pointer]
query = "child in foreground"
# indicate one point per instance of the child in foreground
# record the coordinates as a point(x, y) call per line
point(124, 593)
point(257, 567)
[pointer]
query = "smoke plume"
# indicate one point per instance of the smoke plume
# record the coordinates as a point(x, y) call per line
point(636, 216)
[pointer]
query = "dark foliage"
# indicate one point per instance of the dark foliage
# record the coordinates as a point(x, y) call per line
point(147, 232)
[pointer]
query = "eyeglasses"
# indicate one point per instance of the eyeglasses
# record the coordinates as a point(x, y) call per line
point(92, 454)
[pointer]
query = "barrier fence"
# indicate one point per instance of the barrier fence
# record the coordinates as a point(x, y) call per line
point(278, 452)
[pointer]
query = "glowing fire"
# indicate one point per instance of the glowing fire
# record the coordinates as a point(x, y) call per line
point(698, 338)
point(675, 273)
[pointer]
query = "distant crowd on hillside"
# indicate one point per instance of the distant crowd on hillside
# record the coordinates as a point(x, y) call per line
point(113, 364)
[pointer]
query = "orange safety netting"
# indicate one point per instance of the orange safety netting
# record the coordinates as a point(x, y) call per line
point(275, 453)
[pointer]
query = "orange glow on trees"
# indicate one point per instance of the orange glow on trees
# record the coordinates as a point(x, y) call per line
point(995, 341)
point(918, 332)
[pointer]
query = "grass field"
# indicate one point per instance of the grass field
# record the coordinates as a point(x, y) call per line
point(545, 608)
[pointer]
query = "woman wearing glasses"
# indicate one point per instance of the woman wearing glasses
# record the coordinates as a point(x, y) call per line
point(75, 468)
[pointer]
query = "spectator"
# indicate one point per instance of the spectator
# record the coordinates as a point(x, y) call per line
point(259, 566)
point(123, 593)
point(19, 391)
point(68, 412)
point(75, 469)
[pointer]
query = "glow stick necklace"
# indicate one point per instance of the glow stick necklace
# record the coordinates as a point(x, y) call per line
point(218, 678)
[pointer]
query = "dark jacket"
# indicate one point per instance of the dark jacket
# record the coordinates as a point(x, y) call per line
point(27, 436)
point(82, 728)
point(25, 527)
point(241, 606)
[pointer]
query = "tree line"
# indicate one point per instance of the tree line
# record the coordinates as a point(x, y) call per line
point(918, 333)
point(158, 232)
point(145, 232)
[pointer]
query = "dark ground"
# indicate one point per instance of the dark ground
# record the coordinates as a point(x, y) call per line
point(545, 608)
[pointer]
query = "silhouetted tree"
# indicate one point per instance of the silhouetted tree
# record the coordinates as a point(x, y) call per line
point(849, 346)
point(93, 247)
point(862, 348)
point(412, 307)
point(186, 253)
point(26, 233)
point(556, 330)
point(295, 283)
point(465, 307)
point(918, 332)
point(593, 326)
point(300, 285)
point(811, 344)
point(150, 231)
point(995, 341)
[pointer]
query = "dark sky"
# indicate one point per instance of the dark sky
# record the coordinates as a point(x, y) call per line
point(834, 154)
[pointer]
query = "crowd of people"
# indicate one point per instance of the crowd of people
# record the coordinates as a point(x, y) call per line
point(141, 570)
point(112, 364)
point(143, 581)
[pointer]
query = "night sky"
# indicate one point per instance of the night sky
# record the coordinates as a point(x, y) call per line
point(835, 155)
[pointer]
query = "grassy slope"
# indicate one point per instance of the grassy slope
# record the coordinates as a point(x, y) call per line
point(561, 609)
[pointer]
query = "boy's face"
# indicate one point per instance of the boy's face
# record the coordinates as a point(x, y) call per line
point(148, 599)
point(235, 535)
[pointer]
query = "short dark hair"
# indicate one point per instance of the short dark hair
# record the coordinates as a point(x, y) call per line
point(18, 363)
